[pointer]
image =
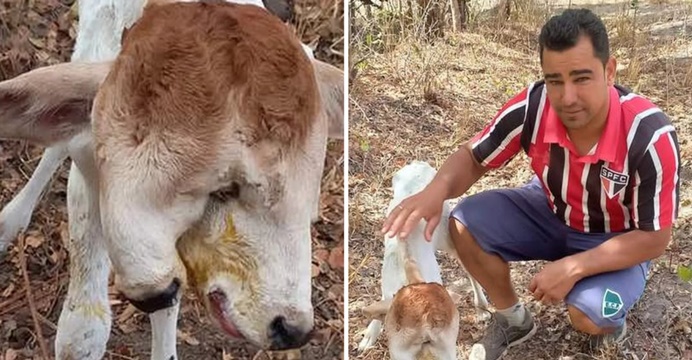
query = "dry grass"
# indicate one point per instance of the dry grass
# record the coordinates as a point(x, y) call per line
point(413, 101)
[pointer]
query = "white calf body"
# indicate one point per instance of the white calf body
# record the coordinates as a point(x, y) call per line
point(408, 181)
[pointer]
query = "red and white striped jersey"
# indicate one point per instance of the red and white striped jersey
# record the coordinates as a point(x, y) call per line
point(629, 180)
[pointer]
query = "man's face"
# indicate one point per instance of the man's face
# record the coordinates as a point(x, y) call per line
point(577, 83)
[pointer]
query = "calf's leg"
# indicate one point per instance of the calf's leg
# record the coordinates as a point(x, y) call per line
point(85, 320)
point(164, 331)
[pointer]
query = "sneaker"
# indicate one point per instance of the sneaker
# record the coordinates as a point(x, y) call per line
point(499, 337)
point(599, 342)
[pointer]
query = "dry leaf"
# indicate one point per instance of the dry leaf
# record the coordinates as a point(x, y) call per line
point(293, 355)
point(687, 355)
point(64, 232)
point(189, 339)
point(684, 326)
point(38, 43)
point(8, 291)
point(322, 335)
point(226, 356)
point(127, 313)
point(321, 255)
point(123, 350)
point(315, 270)
point(127, 327)
point(33, 241)
point(336, 292)
point(10, 354)
point(336, 258)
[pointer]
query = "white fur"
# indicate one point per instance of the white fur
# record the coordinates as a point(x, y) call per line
point(280, 239)
point(85, 321)
point(409, 180)
point(164, 331)
point(285, 287)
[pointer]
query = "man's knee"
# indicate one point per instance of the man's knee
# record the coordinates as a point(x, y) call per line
point(581, 322)
point(599, 304)
point(461, 237)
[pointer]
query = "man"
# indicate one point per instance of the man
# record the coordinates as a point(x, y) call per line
point(600, 208)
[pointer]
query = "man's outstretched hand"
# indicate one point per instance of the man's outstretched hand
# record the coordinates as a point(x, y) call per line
point(552, 284)
point(427, 205)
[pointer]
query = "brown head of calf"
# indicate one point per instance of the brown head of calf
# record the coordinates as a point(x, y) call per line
point(419, 318)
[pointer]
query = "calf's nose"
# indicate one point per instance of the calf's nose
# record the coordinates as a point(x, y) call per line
point(285, 336)
point(160, 300)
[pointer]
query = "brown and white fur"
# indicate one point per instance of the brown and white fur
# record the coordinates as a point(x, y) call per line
point(421, 321)
point(197, 144)
point(407, 181)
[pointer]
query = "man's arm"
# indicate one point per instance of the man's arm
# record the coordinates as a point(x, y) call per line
point(655, 199)
point(620, 252)
point(458, 173)
point(491, 148)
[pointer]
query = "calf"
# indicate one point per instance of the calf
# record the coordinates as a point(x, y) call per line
point(197, 154)
point(408, 181)
point(421, 321)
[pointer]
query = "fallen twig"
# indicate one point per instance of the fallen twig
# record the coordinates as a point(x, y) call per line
point(114, 354)
point(30, 298)
point(47, 322)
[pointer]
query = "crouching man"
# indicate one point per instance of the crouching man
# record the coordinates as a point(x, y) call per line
point(600, 207)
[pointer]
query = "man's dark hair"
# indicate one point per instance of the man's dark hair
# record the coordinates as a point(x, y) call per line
point(563, 31)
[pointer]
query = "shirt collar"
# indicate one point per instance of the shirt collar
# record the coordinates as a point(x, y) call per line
point(608, 145)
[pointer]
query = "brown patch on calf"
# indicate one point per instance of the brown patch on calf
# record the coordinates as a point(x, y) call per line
point(187, 70)
point(422, 304)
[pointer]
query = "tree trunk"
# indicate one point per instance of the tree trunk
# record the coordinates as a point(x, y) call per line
point(433, 19)
point(457, 24)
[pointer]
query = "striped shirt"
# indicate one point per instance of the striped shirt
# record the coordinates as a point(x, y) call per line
point(629, 179)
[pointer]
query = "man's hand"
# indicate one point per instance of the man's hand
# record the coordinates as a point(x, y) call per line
point(552, 284)
point(454, 178)
point(427, 205)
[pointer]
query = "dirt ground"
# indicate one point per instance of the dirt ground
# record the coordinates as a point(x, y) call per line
point(420, 102)
point(40, 32)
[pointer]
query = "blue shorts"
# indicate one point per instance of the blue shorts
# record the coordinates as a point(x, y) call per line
point(517, 224)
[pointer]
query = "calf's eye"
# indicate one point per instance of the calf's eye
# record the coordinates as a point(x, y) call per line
point(225, 194)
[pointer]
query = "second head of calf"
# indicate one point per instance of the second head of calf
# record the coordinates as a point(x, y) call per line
point(208, 134)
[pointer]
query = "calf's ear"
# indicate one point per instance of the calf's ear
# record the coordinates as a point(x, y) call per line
point(50, 104)
point(330, 80)
point(377, 310)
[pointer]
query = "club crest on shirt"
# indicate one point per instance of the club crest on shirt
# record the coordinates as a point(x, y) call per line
point(613, 182)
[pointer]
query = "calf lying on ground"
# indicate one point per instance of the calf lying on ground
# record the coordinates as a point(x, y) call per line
point(421, 321)
point(197, 155)
point(408, 181)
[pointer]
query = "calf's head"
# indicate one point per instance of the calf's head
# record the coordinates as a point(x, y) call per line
point(208, 133)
